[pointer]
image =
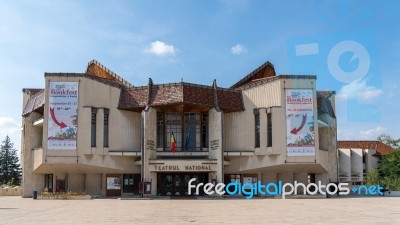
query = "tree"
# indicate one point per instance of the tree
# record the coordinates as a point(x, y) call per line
point(389, 170)
point(10, 170)
point(387, 139)
point(372, 177)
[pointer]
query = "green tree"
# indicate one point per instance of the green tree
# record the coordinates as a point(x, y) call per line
point(372, 177)
point(387, 139)
point(10, 170)
point(389, 170)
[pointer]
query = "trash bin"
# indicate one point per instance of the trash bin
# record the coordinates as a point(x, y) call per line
point(34, 195)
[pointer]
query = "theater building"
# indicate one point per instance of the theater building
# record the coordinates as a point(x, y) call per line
point(95, 132)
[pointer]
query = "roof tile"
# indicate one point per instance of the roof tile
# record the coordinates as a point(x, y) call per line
point(381, 148)
point(34, 102)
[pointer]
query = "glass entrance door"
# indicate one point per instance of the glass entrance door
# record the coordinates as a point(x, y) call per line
point(130, 183)
point(60, 185)
point(176, 184)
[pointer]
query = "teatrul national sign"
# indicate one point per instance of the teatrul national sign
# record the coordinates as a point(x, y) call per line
point(300, 122)
point(63, 115)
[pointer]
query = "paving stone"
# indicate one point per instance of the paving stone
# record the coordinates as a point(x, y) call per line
point(363, 210)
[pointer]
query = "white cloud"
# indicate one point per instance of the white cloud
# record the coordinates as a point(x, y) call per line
point(238, 49)
point(372, 133)
point(360, 133)
point(369, 94)
point(360, 90)
point(7, 122)
point(160, 48)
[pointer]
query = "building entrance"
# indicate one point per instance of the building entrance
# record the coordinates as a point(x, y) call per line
point(176, 184)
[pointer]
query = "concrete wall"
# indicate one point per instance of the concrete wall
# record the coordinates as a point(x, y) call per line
point(372, 161)
point(269, 177)
point(76, 182)
point(356, 164)
point(239, 126)
point(130, 131)
point(351, 163)
point(149, 123)
point(216, 143)
point(124, 135)
point(239, 131)
point(10, 191)
point(344, 164)
point(94, 183)
point(31, 140)
point(124, 126)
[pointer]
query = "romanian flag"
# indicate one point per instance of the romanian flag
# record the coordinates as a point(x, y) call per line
point(172, 142)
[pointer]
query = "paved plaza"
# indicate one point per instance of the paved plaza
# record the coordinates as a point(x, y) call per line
point(375, 210)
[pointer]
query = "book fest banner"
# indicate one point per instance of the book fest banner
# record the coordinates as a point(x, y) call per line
point(300, 122)
point(63, 115)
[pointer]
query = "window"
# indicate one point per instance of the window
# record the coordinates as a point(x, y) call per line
point(48, 182)
point(173, 126)
point(232, 178)
point(93, 127)
point(128, 183)
point(105, 131)
point(257, 128)
point(190, 131)
point(269, 130)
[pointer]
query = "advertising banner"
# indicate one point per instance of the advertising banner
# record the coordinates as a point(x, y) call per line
point(300, 122)
point(63, 115)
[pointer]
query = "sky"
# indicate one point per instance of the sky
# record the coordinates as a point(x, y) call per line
point(351, 46)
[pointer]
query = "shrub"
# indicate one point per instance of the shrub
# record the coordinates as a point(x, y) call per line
point(373, 177)
point(389, 170)
point(61, 195)
point(392, 183)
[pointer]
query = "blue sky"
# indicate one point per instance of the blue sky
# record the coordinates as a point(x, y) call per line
point(198, 41)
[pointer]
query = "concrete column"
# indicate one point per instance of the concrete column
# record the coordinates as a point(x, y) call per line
point(215, 126)
point(31, 138)
point(344, 164)
point(149, 135)
point(103, 184)
point(263, 130)
point(323, 177)
point(269, 177)
point(286, 177)
point(86, 182)
point(357, 163)
point(301, 177)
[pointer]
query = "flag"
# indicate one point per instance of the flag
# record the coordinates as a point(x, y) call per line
point(187, 140)
point(172, 142)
